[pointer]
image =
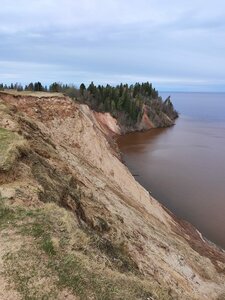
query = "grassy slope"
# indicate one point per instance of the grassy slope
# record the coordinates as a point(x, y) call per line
point(56, 258)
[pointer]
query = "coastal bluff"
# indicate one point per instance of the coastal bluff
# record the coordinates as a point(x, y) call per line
point(74, 222)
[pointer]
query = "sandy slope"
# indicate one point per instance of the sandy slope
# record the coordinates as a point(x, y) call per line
point(70, 140)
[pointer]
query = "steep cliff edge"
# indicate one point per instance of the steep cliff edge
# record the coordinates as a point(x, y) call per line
point(74, 223)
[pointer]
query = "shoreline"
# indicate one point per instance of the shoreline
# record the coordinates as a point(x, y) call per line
point(191, 229)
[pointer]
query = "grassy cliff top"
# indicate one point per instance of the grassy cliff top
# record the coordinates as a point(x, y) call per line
point(31, 93)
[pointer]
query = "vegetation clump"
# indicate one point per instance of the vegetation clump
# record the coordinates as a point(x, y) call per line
point(11, 146)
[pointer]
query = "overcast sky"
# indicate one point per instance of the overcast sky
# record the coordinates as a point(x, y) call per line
point(176, 44)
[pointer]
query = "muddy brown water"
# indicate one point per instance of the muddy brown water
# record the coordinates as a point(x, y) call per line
point(184, 166)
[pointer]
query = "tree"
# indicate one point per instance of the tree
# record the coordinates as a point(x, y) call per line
point(55, 87)
point(91, 88)
point(82, 89)
point(30, 86)
point(38, 87)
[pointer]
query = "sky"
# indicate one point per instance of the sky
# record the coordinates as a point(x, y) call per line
point(177, 45)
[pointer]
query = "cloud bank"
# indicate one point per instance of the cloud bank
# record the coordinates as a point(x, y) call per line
point(177, 45)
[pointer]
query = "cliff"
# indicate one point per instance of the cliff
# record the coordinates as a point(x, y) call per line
point(74, 223)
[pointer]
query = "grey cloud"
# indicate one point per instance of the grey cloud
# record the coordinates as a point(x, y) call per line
point(175, 44)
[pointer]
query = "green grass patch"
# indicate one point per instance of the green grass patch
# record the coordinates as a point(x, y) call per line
point(6, 214)
point(47, 245)
point(96, 269)
point(28, 273)
point(41, 228)
point(27, 222)
point(10, 216)
point(11, 144)
point(88, 281)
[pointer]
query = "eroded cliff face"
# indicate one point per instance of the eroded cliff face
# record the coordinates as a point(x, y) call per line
point(74, 223)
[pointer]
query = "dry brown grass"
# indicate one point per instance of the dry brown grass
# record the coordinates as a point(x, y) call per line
point(56, 255)
point(30, 93)
point(11, 146)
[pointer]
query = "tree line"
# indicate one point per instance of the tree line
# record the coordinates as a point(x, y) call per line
point(125, 102)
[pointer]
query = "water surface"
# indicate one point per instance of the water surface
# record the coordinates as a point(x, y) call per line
point(184, 166)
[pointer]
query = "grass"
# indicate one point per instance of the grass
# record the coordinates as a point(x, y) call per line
point(28, 273)
point(27, 268)
point(42, 268)
point(6, 214)
point(93, 283)
point(117, 254)
point(33, 94)
point(11, 144)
